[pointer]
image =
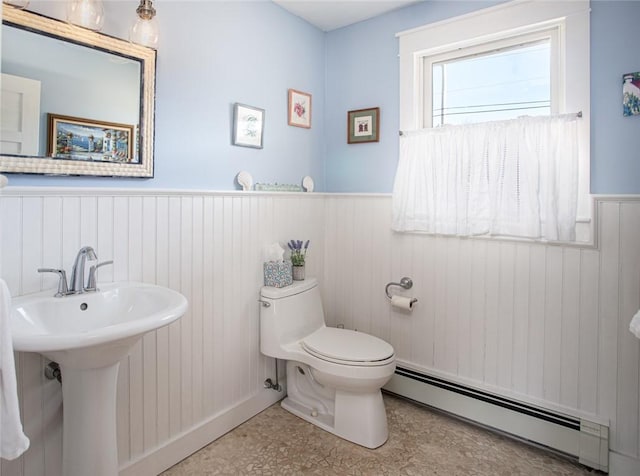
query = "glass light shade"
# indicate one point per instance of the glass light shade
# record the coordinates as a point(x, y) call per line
point(17, 3)
point(145, 32)
point(86, 13)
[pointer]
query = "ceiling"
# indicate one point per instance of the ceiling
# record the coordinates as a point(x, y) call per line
point(331, 14)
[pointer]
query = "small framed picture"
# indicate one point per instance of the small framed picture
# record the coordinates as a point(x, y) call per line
point(299, 109)
point(75, 138)
point(363, 125)
point(631, 94)
point(248, 126)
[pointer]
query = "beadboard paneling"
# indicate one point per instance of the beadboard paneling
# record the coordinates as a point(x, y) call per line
point(544, 323)
point(208, 247)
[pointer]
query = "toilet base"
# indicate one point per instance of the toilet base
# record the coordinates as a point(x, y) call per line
point(359, 417)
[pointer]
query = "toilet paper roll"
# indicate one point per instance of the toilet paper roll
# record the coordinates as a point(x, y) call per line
point(402, 302)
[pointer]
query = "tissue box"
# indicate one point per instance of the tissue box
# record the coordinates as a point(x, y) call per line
point(277, 273)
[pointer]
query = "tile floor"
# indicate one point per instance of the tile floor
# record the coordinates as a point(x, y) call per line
point(421, 442)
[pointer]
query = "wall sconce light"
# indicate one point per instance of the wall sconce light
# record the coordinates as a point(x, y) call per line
point(145, 30)
point(17, 3)
point(86, 13)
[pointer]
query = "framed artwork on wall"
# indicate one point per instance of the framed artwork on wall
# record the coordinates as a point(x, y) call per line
point(299, 109)
point(75, 138)
point(248, 126)
point(363, 125)
point(631, 94)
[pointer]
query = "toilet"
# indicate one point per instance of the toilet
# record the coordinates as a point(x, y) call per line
point(334, 376)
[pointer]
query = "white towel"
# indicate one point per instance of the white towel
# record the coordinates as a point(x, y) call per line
point(634, 326)
point(13, 441)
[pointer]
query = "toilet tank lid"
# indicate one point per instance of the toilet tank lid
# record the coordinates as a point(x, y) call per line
point(296, 288)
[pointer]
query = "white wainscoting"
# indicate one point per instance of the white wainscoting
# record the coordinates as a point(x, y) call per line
point(541, 323)
point(199, 376)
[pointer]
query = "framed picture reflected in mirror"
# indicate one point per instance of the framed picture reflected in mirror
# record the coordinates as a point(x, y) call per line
point(75, 138)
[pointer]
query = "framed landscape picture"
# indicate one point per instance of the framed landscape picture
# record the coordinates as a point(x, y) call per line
point(248, 126)
point(76, 138)
point(299, 109)
point(363, 125)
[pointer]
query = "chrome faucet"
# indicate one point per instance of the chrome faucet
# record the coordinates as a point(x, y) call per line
point(77, 284)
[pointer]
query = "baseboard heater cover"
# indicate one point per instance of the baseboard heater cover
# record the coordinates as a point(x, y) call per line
point(585, 440)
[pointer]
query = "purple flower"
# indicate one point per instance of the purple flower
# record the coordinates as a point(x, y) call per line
point(298, 251)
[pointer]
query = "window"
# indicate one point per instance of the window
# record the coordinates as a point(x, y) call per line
point(518, 58)
point(501, 80)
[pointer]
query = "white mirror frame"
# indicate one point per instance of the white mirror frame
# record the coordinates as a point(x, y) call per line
point(57, 166)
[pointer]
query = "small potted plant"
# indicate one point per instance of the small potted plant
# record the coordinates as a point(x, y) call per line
point(298, 255)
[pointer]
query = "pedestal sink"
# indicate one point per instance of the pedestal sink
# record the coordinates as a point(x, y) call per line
point(88, 334)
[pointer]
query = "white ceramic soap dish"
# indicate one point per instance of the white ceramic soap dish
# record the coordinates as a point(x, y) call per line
point(307, 183)
point(245, 180)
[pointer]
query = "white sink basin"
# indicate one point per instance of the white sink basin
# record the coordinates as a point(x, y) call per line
point(88, 334)
point(92, 329)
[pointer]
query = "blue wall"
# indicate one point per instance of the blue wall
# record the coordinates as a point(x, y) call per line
point(615, 139)
point(362, 71)
point(211, 55)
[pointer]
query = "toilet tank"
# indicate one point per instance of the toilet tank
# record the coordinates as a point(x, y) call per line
point(294, 312)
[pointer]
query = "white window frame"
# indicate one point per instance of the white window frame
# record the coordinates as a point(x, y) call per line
point(519, 18)
point(557, 80)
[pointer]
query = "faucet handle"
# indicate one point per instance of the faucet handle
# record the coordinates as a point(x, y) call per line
point(91, 284)
point(63, 289)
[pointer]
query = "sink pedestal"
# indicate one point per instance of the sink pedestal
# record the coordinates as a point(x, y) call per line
point(88, 334)
point(89, 421)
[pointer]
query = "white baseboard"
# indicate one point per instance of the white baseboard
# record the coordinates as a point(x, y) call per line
point(621, 465)
point(175, 450)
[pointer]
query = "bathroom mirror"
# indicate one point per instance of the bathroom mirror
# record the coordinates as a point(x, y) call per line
point(74, 102)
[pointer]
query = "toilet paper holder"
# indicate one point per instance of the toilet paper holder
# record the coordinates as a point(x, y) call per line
point(406, 283)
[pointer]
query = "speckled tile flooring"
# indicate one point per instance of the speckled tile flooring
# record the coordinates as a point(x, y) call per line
point(421, 442)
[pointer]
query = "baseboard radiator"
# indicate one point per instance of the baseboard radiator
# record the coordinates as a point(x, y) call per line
point(584, 440)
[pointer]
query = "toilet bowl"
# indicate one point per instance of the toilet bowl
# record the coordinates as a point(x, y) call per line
point(334, 376)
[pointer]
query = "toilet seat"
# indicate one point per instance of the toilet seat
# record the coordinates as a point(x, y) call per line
point(347, 347)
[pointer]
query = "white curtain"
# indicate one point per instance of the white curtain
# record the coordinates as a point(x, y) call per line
point(513, 178)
